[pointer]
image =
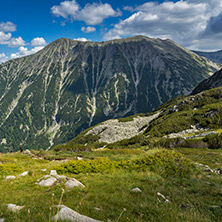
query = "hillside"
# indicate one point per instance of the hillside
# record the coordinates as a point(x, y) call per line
point(180, 117)
point(51, 96)
point(212, 82)
point(96, 177)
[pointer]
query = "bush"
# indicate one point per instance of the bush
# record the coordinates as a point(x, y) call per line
point(162, 161)
point(89, 166)
point(165, 162)
point(6, 169)
point(181, 143)
point(214, 141)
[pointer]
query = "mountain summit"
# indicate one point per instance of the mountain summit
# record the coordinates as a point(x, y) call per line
point(49, 97)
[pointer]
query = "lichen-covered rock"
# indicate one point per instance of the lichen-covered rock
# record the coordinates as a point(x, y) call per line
point(24, 174)
point(136, 190)
point(10, 177)
point(67, 214)
point(53, 178)
point(14, 208)
point(27, 152)
point(53, 173)
point(71, 183)
point(47, 182)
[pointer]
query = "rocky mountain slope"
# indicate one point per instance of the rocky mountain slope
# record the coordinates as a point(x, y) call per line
point(51, 96)
point(212, 82)
point(213, 56)
point(183, 116)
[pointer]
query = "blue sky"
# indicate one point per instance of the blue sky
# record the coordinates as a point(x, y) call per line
point(26, 26)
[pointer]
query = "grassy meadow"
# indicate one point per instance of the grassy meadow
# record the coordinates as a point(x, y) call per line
point(193, 195)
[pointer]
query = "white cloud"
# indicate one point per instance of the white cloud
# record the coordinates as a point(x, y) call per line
point(184, 21)
point(91, 14)
point(3, 57)
point(65, 9)
point(23, 51)
point(88, 29)
point(82, 39)
point(39, 41)
point(7, 27)
point(4, 38)
point(16, 42)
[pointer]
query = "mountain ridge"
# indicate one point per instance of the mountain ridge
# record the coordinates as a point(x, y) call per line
point(51, 96)
point(212, 82)
point(213, 56)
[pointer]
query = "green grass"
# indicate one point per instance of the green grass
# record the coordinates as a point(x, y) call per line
point(192, 198)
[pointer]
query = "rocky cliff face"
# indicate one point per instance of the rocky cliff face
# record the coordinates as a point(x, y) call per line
point(212, 82)
point(49, 97)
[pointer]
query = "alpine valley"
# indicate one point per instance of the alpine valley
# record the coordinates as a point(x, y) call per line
point(50, 97)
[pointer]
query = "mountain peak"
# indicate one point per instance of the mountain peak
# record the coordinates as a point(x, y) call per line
point(55, 94)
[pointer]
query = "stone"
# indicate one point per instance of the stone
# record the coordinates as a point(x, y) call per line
point(2, 219)
point(27, 152)
point(24, 174)
point(114, 130)
point(164, 198)
point(218, 171)
point(67, 214)
point(62, 177)
point(14, 208)
point(136, 190)
point(53, 173)
point(97, 208)
point(10, 178)
point(204, 168)
point(79, 158)
point(72, 182)
point(43, 170)
point(47, 182)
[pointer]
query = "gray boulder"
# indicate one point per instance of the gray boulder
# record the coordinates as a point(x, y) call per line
point(24, 174)
point(10, 178)
point(14, 208)
point(47, 182)
point(27, 152)
point(136, 190)
point(53, 173)
point(72, 182)
point(67, 214)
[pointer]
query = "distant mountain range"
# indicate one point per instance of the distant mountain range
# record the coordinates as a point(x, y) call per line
point(213, 56)
point(51, 96)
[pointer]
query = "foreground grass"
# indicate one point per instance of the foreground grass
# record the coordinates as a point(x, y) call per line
point(108, 194)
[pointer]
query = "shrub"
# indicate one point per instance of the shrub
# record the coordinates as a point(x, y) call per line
point(162, 161)
point(214, 141)
point(89, 166)
point(6, 169)
point(181, 143)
